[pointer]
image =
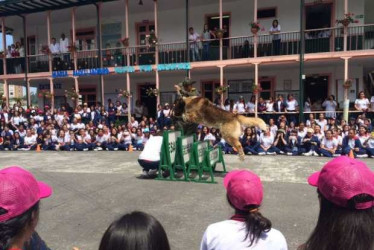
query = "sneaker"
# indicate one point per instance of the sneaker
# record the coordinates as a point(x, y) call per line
point(115, 149)
point(336, 155)
point(6, 149)
point(362, 156)
point(271, 153)
point(249, 153)
point(289, 153)
point(281, 152)
point(85, 149)
point(261, 153)
point(152, 171)
point(315, 154)
point(308, 154)
point(95, 149)
point(99, 148)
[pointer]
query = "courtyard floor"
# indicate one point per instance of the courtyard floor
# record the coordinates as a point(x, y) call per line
point(91, 189)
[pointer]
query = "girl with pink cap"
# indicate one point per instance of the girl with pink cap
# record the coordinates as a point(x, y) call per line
point(248, 228)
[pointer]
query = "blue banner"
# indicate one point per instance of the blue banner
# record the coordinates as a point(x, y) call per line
point(91, 72)
point(123, 70)
point(59, 74)
point(173, 66)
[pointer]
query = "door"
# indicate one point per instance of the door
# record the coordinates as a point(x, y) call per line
point(213, 24)
point(316, 88)
point(267, 88)
point(88, 95)
point(318, 16)
point(145, 54)
point(209, 90)
point(150, 102)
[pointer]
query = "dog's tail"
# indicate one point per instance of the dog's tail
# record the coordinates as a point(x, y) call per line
point(252, 122)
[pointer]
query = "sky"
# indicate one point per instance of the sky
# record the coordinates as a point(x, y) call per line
point(9, 41)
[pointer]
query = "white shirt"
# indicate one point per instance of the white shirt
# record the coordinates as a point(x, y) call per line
point(322, 123)
point(270, 106)
point(370, 143)
point(30, 140)
point(362, 103)
point(209, 137)
point(276, 36)
point(274, 129)
point(301, 134)
point(193, 39)
point(329, 105)
point(363, 138)
point(330, 144)
point(230, 235)
point(152, 149)
point(64, 45)
point(240, 107)
point(54, 48)
point(266, 141)
point(291, 105)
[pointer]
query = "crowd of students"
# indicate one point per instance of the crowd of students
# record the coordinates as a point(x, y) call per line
point(345, 189)
point(97, 128)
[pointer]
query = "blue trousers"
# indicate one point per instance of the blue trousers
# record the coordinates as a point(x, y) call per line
point(272, 149)
point(149, 165)
point(348, 149)
point(324, 152)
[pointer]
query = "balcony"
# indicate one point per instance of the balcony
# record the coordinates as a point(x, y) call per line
point(287, 43)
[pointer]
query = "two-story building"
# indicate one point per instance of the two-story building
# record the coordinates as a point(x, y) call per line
point(134, 45)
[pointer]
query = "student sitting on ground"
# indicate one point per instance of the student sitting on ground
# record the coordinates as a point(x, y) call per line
point(309, 144)
point(352, 143)
point(266, 143)
point(346, 197)
point(249, 142)
point(135, 231)
point(293, 143)
point(280, 141)
point(247, 228)
point(328, 145)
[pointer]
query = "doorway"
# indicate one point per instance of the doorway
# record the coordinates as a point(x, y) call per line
point(88, 95)
point(150, 102)
point(209, 90)
point(145, 54)
point(316, 88)
point(213, 24)
point(318, 16)
point(267, 87)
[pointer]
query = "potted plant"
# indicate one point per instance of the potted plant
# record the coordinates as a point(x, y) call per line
point(72, 48)
point(256, 89)
point(72, 94)
point(45, 50)
point(221, 89)
point(124, 93)
point(219, 33)
point(152, 39)
point(45, 93)
point(348, 19)
point(347, 83)
point(153, 92)
point(255, 27)
point(2, 98)
point(125, 42)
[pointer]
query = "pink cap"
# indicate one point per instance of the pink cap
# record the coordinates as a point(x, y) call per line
point(243, 188)
point(19, 191)
point(342, 179)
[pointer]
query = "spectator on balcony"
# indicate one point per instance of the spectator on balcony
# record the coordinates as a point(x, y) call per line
point(275, 30)
point(245, 49)
point(308, 105)
point(251, 105)
point(206, 36)
point(279, 105)
point(330, 106)
point(64, 48)
point(138, 110)
point(194, 44)
point(326, 33)
point(55, 51)
point(20, 58)
point(240, 106)
point(362, 103)
point(292, 106)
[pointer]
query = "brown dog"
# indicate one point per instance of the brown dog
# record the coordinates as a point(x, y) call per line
point(199, 110)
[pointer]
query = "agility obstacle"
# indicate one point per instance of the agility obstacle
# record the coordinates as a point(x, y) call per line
point(181, 156)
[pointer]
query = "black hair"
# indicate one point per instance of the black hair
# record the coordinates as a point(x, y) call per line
point(14, 227)
point(135, 231)
point(256, 223)
point(343, 228)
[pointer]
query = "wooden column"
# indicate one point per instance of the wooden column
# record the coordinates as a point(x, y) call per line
point(3, 31)
point(49, 38)
point(255, 41)
point(156, 50)
point(346, 100)
point(51, 87)
point(73, 39)
point(128, 61)
point(256, 84)
point(221, 27)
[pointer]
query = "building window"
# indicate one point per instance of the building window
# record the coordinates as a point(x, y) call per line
point(267, 13)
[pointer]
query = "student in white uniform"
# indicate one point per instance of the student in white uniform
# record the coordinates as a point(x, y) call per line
point(150, 157)
point(362, 103)
point(247, 228)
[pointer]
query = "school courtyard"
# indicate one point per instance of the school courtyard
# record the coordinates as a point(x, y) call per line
point(91, 189)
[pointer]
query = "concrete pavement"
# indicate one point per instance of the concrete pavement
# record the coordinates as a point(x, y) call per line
point(91, 189)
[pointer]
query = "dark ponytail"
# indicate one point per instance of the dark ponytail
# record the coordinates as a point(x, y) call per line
point(256, 223)
point(14, 227)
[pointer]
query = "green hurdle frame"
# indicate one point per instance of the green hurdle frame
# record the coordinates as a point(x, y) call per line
point(168, 154)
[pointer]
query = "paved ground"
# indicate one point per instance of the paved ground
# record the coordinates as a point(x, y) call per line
point(91, 189)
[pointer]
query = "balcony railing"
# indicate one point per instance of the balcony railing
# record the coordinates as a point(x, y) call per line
point(285, 43)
